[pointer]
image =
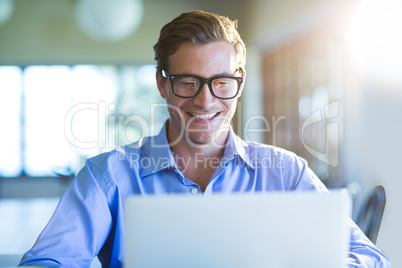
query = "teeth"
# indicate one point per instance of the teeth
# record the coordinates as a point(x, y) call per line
point(204, 116)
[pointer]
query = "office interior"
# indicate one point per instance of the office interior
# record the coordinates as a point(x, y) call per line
point(324, 79)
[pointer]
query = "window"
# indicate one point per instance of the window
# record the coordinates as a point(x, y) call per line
point(54, 117)
point(10, 121)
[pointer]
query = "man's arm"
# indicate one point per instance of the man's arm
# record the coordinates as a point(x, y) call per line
point(78, 228)
point(363, 253)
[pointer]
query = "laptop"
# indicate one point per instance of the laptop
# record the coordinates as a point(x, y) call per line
point(276, 229)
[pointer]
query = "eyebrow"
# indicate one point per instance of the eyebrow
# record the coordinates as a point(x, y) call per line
point(215, 75)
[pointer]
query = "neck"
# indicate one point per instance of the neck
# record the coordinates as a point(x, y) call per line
point(185, 147)
point(197, 162)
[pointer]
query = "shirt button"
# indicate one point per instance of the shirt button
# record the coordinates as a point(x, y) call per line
point(194, 191)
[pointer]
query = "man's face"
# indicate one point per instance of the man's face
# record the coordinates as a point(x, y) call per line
point(204, 118)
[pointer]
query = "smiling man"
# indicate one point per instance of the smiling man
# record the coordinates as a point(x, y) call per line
point(205, 85)
point(200, 72)
point(201, 88)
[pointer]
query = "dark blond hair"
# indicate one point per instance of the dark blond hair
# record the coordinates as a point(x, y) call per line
point(197, 27)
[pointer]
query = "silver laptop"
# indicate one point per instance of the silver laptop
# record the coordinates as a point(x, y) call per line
point(278, 229)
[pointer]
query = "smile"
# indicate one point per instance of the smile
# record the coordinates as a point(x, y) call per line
point(204, 116)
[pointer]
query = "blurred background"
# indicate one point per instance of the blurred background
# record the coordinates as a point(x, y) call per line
point(324, 79)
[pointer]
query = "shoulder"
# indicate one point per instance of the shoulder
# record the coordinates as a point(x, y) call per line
point(120, 155)
point(112, 171)
point(264, 152)
point(293, 170)
point(113, 168)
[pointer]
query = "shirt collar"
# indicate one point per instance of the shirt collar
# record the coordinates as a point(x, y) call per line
point(157, 155)
point(236, 147)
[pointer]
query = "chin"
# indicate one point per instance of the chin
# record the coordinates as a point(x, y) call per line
point(203, 138)
point(199, 140)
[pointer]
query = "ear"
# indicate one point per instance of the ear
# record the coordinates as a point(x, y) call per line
point(161, 83)
point(242, 84)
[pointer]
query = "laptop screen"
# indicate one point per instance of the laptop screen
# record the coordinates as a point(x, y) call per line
point(277, 229)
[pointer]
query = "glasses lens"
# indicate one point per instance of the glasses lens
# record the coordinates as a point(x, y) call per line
point(186, 86)
point(225, 87)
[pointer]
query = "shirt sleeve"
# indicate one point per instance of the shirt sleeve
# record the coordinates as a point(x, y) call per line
point(363, 253)
point(78, 228)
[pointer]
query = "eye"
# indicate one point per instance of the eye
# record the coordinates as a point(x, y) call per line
point(221, 83)
point(187, 82)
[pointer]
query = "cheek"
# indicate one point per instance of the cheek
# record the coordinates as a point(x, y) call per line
point(173, 100)
point(231, 105)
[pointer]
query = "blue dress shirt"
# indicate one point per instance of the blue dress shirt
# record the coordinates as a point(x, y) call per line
point(88, 221)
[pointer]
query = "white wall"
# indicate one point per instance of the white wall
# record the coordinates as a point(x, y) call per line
point(372, 151)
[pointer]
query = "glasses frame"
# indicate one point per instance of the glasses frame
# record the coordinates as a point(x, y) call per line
point(208, 81)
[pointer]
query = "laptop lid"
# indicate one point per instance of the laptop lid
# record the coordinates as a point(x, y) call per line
point(277, 229)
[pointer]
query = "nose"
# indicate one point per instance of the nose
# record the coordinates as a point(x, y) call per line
point(204, 99)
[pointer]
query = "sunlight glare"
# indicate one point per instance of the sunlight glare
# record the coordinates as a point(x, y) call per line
point(376, 39)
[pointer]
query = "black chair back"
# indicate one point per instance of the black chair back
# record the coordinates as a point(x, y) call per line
point(371, 212)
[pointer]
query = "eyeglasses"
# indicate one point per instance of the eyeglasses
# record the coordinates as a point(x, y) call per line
point(188, 86)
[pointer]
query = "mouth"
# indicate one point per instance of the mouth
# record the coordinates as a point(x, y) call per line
point(204, 116)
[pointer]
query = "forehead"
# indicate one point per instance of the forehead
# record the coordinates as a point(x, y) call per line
point(205, 60)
